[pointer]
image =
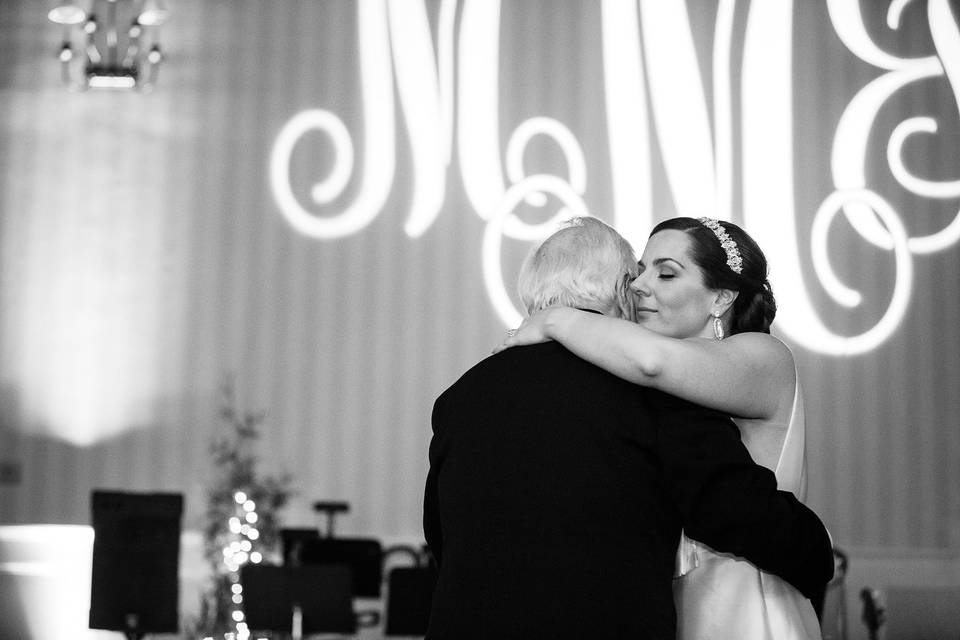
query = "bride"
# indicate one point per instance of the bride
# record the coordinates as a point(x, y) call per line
point(704, 309)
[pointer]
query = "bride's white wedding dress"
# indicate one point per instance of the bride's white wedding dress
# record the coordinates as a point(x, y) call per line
point(723, 597)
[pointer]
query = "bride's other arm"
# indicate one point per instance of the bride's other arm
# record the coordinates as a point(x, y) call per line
point(749, 375)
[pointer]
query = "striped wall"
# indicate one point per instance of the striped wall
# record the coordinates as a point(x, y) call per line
point(144, 261)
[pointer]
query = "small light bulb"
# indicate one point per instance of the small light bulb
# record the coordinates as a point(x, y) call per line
point(252, 517)
point(240, 497)
point(238, 615)
point(255, 557)
point(249, 505)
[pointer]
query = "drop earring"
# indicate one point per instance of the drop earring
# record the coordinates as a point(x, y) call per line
point(717, 326)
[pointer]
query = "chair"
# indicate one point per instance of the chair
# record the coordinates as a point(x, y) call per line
point(409, 591)
point(319, 597)
point(362, 555)
point(136, 551)
point(409, 597)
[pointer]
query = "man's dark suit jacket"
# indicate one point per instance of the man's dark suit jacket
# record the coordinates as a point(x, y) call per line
point(556, 495)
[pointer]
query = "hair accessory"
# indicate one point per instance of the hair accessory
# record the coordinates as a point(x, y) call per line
point(717, 326)
point(729, 245)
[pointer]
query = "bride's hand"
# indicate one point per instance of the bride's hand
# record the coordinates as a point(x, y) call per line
point(531, 331)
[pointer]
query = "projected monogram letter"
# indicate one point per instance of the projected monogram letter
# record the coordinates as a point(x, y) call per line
point(649, 57)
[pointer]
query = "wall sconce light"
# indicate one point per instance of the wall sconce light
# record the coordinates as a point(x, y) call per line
point(98, 53)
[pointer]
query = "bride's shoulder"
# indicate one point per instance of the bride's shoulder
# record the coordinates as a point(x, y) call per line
point(761, 348)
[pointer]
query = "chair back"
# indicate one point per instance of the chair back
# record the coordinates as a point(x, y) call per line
point(321, 596)
point(409, 597)
point(364, 556)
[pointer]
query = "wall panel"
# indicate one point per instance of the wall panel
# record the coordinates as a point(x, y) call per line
point(144, 259)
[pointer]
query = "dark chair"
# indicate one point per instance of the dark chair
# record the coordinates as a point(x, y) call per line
point(362, 555)
point(136, 559)
point(321, 597)
point(409, 597)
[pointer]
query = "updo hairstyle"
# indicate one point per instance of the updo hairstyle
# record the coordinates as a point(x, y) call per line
point(755, 306)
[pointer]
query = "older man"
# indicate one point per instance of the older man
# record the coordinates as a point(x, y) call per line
point(557, 492)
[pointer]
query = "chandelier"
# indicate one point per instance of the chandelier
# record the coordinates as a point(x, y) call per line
point(110, 44)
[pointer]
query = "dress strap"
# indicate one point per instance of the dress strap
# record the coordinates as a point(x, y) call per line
point(791, 468)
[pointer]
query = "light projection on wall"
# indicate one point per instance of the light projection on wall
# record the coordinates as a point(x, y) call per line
point(90, 305)
point(648, 59)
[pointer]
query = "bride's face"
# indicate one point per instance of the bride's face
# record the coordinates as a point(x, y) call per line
point(671, 297)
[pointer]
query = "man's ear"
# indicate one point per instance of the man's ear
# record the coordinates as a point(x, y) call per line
point(724, 300)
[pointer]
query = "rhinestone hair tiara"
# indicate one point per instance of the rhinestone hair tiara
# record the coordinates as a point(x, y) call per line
point(729, 245)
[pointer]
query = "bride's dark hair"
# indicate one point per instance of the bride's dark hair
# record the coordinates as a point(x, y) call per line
point(755, 306)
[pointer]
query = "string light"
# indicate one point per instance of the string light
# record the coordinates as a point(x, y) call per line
point(239, 552)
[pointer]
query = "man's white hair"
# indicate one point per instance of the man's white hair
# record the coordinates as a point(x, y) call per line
point(584, 265)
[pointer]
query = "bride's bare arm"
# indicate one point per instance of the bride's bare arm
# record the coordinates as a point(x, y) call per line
point(747, 375)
